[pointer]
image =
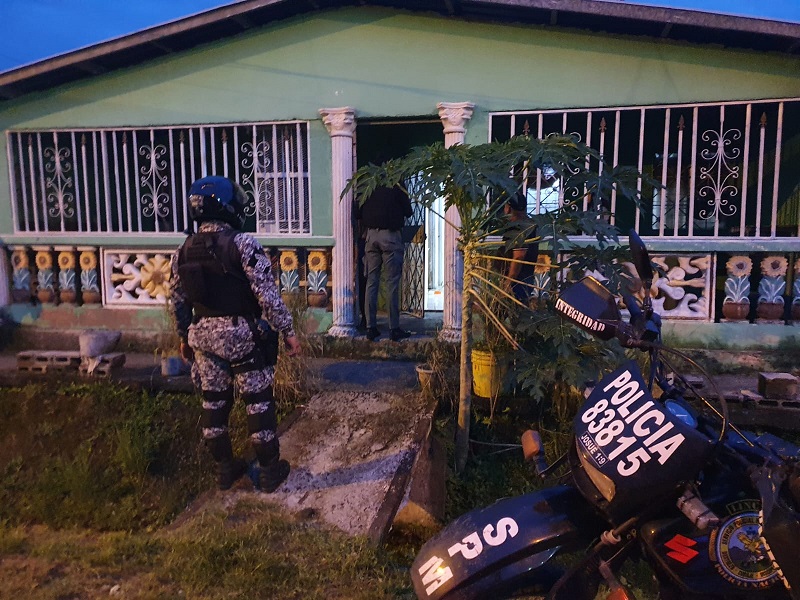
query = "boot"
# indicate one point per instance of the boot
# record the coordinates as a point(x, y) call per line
point(229, 471)
point(273, 475)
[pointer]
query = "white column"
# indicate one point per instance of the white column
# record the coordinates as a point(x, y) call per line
point(454, 116)
point(5, 277)
point(341, 125)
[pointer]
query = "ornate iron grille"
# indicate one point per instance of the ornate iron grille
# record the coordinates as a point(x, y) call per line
point(727, 169)
point(136, 180)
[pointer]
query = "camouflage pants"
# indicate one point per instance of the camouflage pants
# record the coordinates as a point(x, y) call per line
point(219, 343)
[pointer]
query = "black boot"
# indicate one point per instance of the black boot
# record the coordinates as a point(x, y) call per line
point(229, 471)
point(273, 475)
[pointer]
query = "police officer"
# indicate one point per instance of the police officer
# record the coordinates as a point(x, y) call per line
point(228, 312)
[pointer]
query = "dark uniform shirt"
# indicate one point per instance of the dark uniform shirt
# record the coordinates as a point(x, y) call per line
point(386, 208)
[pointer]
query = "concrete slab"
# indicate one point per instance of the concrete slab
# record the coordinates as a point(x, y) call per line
point(351, 454)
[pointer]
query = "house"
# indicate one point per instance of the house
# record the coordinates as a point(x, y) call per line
point(288, 97)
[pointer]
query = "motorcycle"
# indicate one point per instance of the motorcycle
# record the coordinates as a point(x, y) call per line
point(656, 472)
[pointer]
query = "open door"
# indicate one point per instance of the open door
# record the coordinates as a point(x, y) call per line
point(395, 139)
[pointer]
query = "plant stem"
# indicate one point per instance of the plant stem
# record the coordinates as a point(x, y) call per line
point(465, 390)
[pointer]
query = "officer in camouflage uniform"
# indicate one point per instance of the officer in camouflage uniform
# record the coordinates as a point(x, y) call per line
point(229, 313)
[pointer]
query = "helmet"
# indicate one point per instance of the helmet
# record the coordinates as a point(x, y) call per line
point(217, 198)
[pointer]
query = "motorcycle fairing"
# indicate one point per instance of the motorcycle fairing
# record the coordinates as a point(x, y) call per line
point(728, 560)
point(780, 524)
point(496, 545)
point(640, 449)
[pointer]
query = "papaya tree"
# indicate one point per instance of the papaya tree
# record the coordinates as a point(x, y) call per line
point(476, 179)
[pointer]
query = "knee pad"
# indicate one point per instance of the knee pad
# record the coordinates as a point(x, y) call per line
point(216, 411)
point(261, 418)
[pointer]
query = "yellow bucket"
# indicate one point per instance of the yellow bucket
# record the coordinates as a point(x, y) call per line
point(486, 374)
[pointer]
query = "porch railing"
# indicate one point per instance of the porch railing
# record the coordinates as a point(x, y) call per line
point(728, 170)
point(135, 180)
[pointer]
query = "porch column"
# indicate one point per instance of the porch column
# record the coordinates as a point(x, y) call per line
point(341, 125)
point(5, 277)
point(454, 116)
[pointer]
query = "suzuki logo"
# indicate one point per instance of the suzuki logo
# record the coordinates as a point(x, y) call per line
point(681, 547)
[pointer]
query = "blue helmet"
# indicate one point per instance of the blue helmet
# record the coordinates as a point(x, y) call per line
point(215, 198)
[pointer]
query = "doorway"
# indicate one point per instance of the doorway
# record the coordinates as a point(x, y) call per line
point(422, 286)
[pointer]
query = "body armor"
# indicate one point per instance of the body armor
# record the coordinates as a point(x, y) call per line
point(210, 268)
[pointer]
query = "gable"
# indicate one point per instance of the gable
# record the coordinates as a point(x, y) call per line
point(228, 21)
point(393, 63)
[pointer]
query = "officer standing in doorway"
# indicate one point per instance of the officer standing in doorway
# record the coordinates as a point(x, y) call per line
point(381, 217)
point(228, 313)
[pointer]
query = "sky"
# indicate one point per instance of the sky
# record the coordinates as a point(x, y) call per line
point(37, 29)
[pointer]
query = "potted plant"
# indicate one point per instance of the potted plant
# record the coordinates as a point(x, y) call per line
point(796, 292)
point(90, 286)
point(45, 279)
point(66, 277)
point(736, 305)
point(771, 287)
point(317, 279)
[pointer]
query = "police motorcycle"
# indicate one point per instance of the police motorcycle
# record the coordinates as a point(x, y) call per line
point(652, 476)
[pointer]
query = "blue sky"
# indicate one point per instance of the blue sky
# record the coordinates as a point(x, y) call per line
point(38, 29)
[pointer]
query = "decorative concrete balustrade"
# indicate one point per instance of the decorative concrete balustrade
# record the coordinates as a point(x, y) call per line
point(763, 295)
point(140, 278)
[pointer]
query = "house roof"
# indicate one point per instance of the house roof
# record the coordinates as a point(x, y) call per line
point(609, 16)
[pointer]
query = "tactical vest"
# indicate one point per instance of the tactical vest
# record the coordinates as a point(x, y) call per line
point(210, 269)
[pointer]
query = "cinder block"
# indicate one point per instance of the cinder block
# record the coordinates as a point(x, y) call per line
point(64, 360)
point(777, 386)
point(49, 360)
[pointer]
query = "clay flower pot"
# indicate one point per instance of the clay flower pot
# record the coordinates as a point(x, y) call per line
point(91, 297)
point(46, 295)
point(770, 311)
point(317, 299)
point(20, 295)
point(736, 311)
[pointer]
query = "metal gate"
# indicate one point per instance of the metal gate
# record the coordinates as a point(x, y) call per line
point(412, 298)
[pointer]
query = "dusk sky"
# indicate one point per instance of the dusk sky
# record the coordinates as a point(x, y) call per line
point(38, 29)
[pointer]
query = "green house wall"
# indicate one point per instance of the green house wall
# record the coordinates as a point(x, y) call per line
point(389, 63)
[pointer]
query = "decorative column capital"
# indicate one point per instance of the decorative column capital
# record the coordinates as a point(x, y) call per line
point(454, 115)
point(340, 122)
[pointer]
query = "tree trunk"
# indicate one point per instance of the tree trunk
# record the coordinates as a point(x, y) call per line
point(465, 390)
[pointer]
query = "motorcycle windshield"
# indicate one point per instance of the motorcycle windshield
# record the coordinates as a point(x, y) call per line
point(591, 307)
point(634, 444)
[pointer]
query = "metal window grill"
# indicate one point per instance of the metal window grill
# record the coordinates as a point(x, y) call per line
point(727, 169)
point(136, 180)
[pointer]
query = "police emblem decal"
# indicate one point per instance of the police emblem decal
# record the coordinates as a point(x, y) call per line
point(738, 552)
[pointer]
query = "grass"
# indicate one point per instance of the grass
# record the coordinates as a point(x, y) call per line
point(97, 455)
point(93, 478)
point(251, 551)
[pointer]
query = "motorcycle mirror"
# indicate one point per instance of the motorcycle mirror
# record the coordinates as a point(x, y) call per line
point(641, 258)
point(591, 307)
